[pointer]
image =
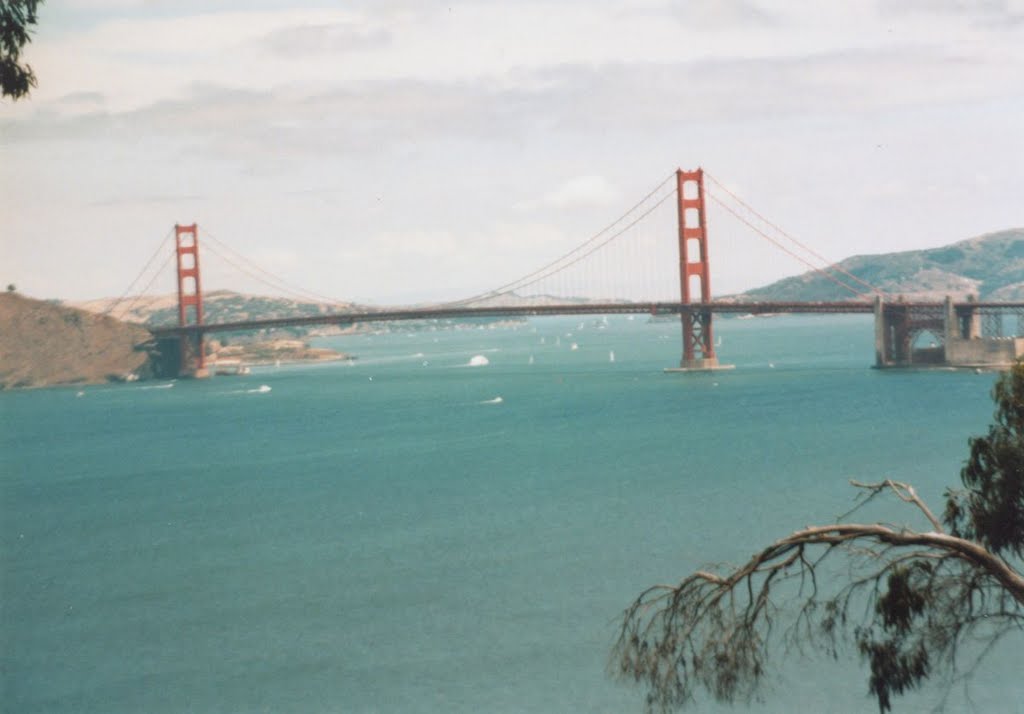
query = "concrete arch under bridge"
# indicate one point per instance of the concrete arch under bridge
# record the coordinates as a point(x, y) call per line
point(969, 334)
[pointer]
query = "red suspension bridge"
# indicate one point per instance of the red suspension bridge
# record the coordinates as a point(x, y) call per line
point(676, 283)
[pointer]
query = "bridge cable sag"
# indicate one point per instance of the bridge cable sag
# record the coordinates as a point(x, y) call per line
point(159, 247)
point(554, 266)
point(603, 243)
point(271, 280)
point(829, 264)
point(783, 248)
point(251, 273)
point(140, 295)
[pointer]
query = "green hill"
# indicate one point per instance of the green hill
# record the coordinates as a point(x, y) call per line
point(989, 266)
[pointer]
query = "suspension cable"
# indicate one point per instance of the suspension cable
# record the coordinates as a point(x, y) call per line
point(270, 280)
point(783, 248)
point(515, 284)
point(241, 267)
point(829, 264)
point(145, 290)
point(159, 247)
point(603, 243)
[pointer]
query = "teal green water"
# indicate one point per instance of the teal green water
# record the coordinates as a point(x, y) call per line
point(390, 537)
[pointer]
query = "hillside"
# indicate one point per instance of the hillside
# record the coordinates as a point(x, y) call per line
point(218, 306)
point(990, 266)
point(43, 344)
point(229, 306)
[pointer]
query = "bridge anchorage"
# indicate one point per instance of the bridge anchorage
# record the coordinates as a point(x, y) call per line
point(965, 334)
point(962, 334)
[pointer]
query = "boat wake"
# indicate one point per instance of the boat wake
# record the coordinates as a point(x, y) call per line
point(262, 389)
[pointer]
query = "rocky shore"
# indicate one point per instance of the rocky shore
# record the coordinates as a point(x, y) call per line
point(279, 351)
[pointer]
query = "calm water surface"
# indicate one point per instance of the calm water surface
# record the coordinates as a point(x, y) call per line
point(412, 534)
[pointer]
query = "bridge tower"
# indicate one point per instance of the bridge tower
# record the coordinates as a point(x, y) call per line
point(694, 267)
point(190, 300)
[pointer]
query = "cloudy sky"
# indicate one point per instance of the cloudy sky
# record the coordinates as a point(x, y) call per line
point(406, 150)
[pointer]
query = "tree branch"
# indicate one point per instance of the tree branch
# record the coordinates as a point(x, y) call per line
point(713, 629)
point(905, 492)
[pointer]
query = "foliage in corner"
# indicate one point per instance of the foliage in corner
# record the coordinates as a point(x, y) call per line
point(928, 591)
point(991, 508)
point(16, 20)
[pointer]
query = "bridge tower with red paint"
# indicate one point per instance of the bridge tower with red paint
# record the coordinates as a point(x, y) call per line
point(695, 276)
point(190, 301)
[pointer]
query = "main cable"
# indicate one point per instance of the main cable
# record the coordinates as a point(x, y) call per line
point(829, 264)
point(783, 248)
point(515, 284)
point(255, 275)
point(145, 290)
point(602, 243)
point(271, 280)
point(142, 272)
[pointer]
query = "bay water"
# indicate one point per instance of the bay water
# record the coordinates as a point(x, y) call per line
point(420, 532)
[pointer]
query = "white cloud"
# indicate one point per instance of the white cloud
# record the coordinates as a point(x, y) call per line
point(410, 133)
point(395, 265)
point(138, 60)
point(582, 191)
point(324, 38)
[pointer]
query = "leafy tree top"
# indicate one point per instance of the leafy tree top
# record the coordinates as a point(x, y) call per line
point(16, 20)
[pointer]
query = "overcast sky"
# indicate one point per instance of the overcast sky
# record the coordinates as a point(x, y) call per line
point(407, 150)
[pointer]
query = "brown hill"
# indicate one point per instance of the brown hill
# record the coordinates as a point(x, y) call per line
point(43, 344)
point(218, 306)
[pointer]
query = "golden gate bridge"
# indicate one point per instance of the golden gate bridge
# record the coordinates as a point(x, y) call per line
point(966, 333)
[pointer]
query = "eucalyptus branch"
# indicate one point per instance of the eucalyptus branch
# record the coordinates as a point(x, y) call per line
point(713, 629)
point(905, 492)
point(910, 600)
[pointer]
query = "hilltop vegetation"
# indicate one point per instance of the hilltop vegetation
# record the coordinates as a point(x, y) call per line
point(42, 344)
point(228, 306)
point(218, 306)
point(989, 266)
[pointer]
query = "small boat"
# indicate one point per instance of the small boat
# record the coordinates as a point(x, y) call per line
point(611, 356)
point(231, 368)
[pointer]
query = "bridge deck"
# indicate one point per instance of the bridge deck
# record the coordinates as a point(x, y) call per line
point(612, 308)
point(448, 312)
